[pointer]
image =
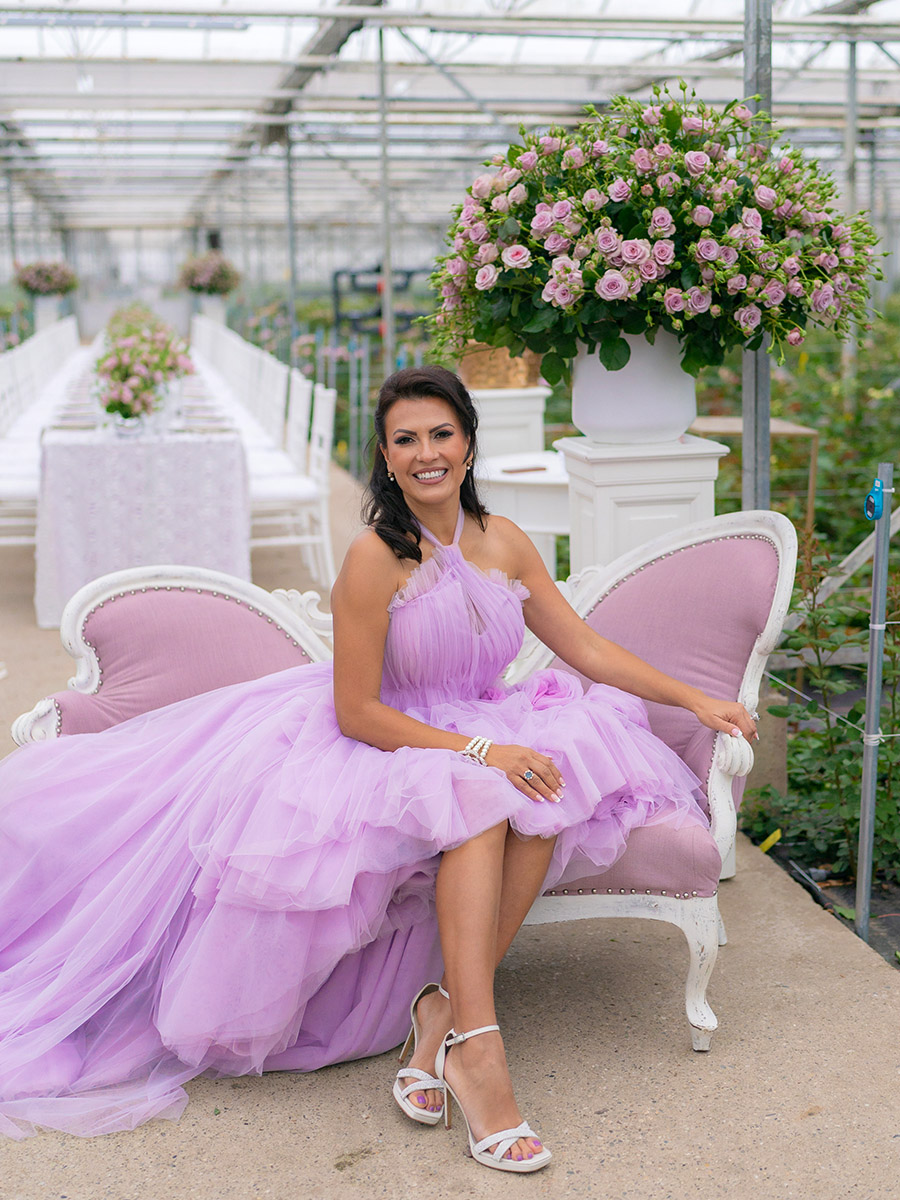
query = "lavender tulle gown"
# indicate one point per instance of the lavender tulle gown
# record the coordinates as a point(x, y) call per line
point(229, 885)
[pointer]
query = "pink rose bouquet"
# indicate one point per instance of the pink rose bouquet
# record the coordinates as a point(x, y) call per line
point(672, 216)
point(46, 278)
point(211, 274)
point(141, 356)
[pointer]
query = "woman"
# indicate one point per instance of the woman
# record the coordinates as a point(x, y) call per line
point(246, 880)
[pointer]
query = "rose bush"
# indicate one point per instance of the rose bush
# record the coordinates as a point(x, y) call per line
point(670, 216)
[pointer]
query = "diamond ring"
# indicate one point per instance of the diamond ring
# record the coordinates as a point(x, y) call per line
point(528, 775)
point(754, 716)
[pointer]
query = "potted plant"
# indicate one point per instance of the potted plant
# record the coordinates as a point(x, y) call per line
point(671, 225)
point(212, 276)
point(45, 282)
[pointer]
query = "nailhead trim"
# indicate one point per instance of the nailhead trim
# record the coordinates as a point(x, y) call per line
point(631, 891)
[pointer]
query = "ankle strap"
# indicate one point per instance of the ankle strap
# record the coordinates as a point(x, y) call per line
point(456, 1038)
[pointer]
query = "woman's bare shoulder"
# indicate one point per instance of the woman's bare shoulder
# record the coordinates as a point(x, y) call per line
point(506, 544)
point(369, 567)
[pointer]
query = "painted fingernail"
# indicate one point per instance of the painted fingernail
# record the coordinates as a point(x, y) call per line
point(557, 797)
point(735, 732)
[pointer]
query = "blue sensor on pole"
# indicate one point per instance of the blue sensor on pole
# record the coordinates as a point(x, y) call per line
point(874, 505)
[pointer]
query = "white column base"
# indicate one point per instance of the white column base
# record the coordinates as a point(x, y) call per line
point(622, 496)
point(510, 420)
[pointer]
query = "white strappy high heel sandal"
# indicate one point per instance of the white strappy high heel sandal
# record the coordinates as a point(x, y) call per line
point(504, 1139)
point(423, 1081)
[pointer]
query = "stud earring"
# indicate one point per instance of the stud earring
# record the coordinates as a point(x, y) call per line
point(390, 476)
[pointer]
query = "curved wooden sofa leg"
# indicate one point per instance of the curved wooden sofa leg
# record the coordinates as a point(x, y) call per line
point(700, 925)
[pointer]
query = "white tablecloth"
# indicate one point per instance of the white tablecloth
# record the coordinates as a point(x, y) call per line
point(108, 502)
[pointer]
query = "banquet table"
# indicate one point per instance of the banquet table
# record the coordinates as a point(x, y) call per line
point(173, 495)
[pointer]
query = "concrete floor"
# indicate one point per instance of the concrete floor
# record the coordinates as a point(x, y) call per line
point(797, 1098)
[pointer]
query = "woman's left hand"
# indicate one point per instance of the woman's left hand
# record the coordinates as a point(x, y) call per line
point(728, 716)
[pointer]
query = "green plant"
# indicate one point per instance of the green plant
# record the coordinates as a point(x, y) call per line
point(819, 814)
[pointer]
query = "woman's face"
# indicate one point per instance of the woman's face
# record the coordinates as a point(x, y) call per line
point(425, 449)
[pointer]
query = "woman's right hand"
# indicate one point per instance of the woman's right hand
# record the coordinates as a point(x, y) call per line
point(535, 775)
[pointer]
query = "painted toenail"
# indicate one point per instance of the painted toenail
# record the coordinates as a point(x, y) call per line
point(538, 1145)
point(420, 1099)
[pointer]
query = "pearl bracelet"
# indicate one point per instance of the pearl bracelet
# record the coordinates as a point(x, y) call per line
point(477, 749)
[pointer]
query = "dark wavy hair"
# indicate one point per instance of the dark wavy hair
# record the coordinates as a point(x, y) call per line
point(384, 506)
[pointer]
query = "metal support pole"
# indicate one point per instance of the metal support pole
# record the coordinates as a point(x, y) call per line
point(871, 736)
point(11, 220)
point(756, 386)
point(851, 133)
point(292, 243)
point(387, 269)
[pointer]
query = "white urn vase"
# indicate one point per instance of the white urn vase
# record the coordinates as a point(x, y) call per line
point(651, 399)
point(46, 311)
point(213, 307)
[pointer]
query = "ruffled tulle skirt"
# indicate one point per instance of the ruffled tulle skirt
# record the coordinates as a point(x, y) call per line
point(229, 885)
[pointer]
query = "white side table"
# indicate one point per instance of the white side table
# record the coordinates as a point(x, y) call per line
point(510, 420)
point(531, 489)
point(622, 496)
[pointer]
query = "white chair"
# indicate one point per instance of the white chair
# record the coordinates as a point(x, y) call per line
point(292, 508)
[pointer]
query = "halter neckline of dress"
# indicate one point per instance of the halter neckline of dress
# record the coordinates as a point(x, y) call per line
point(460, 520)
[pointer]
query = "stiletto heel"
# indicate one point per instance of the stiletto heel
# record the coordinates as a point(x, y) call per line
point(504, 1139)
point(423, 1081)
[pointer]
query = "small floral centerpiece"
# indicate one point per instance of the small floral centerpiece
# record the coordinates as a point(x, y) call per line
point(46, 278)
point(211, 274)
point(141, 357)
point(672, 216)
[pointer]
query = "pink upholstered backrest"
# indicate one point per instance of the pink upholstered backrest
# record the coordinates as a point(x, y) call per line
point(158, 646)
point(695, 614)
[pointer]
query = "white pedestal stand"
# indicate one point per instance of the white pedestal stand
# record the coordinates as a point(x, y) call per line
point(622, 496)
point(510, 420)
point(213, 307)
point(46, 312)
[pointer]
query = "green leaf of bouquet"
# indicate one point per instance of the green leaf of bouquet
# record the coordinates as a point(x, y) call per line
point(499, 307)
point(690, 274)
point(634, 321)
point(614, 354)
point(543, 319)
point(509, 229)
point(553, 367)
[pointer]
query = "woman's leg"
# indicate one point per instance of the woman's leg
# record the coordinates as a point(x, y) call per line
point(485, 889)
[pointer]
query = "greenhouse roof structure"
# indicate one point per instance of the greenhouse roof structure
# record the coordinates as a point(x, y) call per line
point(183, 115)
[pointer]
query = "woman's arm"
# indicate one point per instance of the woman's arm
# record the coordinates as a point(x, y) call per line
point(367, 581)
point(559, 627)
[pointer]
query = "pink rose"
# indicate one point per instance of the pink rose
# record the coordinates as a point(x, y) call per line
point(619, 190)
point(692, 124)
point(564, 296)
point(549, 145)
point(487, 253)
point(736, 284)
point(707, 249)
point(457, 267)
point(839, 232)
point(661, 222)
point(608, 240)
point(479, 233)
point(748, 317)
point(786, 166)
point(728, 256)
point(756, 281)
point(486, 277)
point(696, 162)
point(707, 275)
point(508, 176)
point(634, 251)
point(668, 182)
point(542, 222)
point(448, 290)
point(459, 243)
point(573, 158)
point(841, 283)
point(702, 215)
point(773, 293)
point(482, 186)
point(549, 291)
point(556, 243)
point(822, 298)
point(612, 286)
point(651, 115)
point(673, 300)
point(649, 270)
point(518, 194)
point(516, 256)
point(664, 252)
point(528, 160)
point(561, 210)
point(845, 251)
point(795, 337)
point(795, 287)
point(751, 218)
point(598, 149)
point(742, 113)
point(827, 260)
point(583, 249)
point(500, 203)
point(765, 197)
point(642, 160)
point(783, 211)
point(592, 200)
point(791, 265)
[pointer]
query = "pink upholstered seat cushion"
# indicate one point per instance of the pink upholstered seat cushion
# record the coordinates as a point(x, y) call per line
point(159, 646)
point(695, 614)
point(659, 859)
